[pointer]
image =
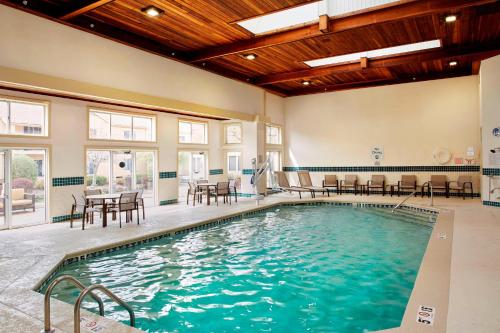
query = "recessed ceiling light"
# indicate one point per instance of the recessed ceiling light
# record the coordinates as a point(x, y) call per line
point(306, 83)
point(453, 63)
point(450, 18)
point(152, 11)
point(250, 56)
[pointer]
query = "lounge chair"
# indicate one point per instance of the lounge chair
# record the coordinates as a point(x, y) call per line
point(306, 182)
point(284, 185)
point(349, 181)
point(438, 182)
point(407, 182)
point(462, 183)
point(331, 182)
point(377, 182)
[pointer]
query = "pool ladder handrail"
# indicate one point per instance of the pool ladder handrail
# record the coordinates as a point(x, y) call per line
point(83, 293)
point(429, 184)
point(110, 294)
point(46, 303)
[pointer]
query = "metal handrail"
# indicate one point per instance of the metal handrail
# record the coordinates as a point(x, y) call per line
point(404, 200)
point(75, 282)
point(429, 184)
point(108, 292)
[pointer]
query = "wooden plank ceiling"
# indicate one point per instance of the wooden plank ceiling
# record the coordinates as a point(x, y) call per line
point(203, 33)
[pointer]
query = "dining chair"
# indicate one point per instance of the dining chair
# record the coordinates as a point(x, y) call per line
point(127, 203)
point(222, 189)
point(140, 203)
point(81, 207)
point(234, 184)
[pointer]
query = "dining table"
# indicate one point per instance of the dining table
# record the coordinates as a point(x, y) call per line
point(105, 197)
point(207, 187)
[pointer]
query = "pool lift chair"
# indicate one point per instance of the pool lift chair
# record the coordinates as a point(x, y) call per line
point(258, 173)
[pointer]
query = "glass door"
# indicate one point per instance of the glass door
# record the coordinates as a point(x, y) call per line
point(192, 166)
point(121, 169)
point(28, 178)
point(3, 187)
point(144, 175)
point(275, 157)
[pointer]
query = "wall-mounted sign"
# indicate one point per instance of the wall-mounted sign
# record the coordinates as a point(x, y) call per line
point(377, 154)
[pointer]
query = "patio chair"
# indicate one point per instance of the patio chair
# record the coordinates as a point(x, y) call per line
point(331, 182)
point(306, 182)
point(193, 190)
point(234, 184)
point(284, 185)
point(140, 202)
point(462, 183)
point(349, 181)
point(438, 182)
point(222, 189)
point(127, 203)
point(407, 182)
point(377, 182)
point(94, 202)
point(81, 207)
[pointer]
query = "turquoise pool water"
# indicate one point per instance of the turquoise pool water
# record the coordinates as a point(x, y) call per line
point(291, 269)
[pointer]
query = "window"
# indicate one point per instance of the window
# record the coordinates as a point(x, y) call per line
point(192, 132)
point(233, 162)
point(233, 133)
point(273, 135)
point(121, 126)
point(23, 118)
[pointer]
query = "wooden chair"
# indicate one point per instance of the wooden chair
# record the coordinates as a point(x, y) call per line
point(127, 203)
point(462, 183)
point(331, 182)
point(438, 182)
point(349, 181)
point(407, 182)
point(222, 189)
point(377, 182)
point(81, 207)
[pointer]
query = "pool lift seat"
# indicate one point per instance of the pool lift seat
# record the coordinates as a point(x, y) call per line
point(84, 291)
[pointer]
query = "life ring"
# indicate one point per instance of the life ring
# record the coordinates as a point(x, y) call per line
point(442, 155)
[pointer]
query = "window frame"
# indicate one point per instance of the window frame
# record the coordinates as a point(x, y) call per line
point(46, 122)
point(280, 131)
point(192, 121)
point(226, 125)
point(153, 117)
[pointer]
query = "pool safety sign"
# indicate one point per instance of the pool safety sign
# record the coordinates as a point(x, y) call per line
point(425, 315)
point(377, 154)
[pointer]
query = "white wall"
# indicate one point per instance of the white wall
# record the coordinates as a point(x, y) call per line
point(41, 46)
point(490, 118)
point(409, 121)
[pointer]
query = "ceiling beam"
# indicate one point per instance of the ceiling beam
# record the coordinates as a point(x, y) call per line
point(478, 51)
point(385, 14)
point(85, 9)
point(376, 83)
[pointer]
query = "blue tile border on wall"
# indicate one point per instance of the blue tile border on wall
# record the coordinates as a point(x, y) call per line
point(62, 218)
point(168, 174)
point(389, 168)
point(491, 203)
point(168, 202)
point(214, 172)
point(491, 171)
point(67, 181)
point(247, 171)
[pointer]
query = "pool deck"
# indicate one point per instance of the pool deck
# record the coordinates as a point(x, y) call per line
point(27, 255)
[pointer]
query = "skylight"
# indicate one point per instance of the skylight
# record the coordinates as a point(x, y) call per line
point(307, 14)
point(353, 57)
point(283, 19)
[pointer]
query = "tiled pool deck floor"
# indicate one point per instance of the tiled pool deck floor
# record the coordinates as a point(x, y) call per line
point(28, 254)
